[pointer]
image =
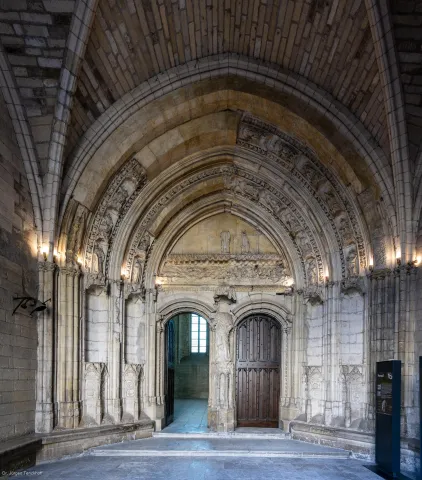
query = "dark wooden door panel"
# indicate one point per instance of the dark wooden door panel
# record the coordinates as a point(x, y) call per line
point(258, 372)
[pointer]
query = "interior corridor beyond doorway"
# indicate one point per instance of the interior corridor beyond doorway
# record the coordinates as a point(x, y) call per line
point(190, 416)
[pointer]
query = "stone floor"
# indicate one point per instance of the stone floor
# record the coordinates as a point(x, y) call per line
point(190, 416)
point(181, 468)
point(177, 457)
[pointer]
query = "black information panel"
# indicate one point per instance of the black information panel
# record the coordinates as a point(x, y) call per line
point(387, 422)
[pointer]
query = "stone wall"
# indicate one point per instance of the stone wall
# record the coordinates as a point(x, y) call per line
point(18, 275)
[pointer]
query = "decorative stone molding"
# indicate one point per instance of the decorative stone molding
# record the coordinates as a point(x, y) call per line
point(248, 185)
point(301, 161)
point(119, 196)
point(164, 200)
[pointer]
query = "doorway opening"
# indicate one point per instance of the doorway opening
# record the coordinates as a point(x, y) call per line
point(187, 373)
point(258, 359)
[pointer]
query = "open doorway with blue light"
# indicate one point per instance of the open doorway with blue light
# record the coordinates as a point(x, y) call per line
point(187, 373)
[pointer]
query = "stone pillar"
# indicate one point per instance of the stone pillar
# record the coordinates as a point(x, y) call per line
point(221, 412)
point(44, 415)
point(113, 406)
point(68, 348)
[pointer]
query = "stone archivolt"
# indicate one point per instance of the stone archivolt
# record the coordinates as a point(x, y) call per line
point(120, 194)
point(296, 158)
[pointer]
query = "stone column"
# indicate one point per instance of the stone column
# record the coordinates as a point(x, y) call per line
point(44, 414)
point(113, 406)
point(221, 411)
point(68, 348)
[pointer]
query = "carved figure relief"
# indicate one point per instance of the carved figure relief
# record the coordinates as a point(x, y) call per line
point(75, 236)
point(311, 271)
point(145, 242)
point(225, 242)
point(351, 262)
point(245, 245)
point(98, 259)
point(137, 271)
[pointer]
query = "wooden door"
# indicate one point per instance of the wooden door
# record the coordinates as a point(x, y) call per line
point(258, 355)
point(169, 372)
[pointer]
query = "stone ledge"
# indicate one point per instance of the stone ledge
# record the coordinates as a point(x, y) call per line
point(63, 443)
point(358, 442)
point(19, 453)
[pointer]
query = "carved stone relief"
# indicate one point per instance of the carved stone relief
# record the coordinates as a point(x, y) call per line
point(131, 392)
point(225, 242)
point(326, 189)
point(245, 247)
point(119, 195)
point(92, 405)
point(314, 388)
point(353, 394)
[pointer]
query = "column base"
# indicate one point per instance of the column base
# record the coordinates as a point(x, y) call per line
point(68, 414)
point(156, 413)
point(221, 419)
point(44, 417)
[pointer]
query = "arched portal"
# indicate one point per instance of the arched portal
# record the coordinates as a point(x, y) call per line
point(186, 372)
point(258, 373)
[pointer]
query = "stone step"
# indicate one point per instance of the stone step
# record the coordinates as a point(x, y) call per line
point(218, 447)
point(205, 435)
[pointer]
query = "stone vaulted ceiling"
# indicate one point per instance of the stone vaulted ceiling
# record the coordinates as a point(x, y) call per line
point(65, 63)
point(328, 42)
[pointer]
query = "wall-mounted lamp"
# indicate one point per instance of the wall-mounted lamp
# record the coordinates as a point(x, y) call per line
point(371, 267)
point(44, 252)
point(32, 303)
point(398, 261)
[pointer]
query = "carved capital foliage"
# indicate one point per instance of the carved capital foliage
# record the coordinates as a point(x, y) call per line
point(353, 284)
point(313, 294)
point(46, 266)
point(225, 292)
point(95, 283)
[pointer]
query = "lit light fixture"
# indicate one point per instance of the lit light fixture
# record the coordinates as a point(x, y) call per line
point(44, 252)
point(79, 260)
point(398, 260)
point(417, 260)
